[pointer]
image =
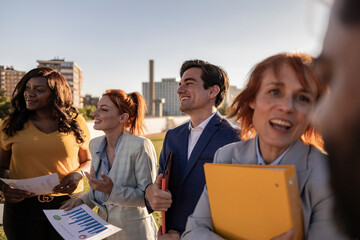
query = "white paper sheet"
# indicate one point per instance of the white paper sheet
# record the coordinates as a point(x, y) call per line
point(39, 185)
point(80, 223)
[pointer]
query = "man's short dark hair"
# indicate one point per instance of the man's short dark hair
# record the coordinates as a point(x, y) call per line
point(211, 75)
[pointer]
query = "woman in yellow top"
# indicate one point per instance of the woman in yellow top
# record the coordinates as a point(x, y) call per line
point(42, 135)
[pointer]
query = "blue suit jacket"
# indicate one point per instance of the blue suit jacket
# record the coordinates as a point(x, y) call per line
point(187, 178)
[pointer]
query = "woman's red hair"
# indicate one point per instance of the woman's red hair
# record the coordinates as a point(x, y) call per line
point(300, 63)
point(132, 104)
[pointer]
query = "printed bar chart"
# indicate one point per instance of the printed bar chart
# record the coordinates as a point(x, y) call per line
point(83, 219)
point(80, 223)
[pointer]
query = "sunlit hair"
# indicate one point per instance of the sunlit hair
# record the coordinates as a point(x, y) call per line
point(132, 104)
point(300, 63)
point(60, 102)
point(211, 75)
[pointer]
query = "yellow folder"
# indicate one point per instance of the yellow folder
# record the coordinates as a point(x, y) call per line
point(252, 201)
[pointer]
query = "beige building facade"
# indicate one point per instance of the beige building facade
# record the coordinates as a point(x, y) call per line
point(9, 77)
point(72, 73)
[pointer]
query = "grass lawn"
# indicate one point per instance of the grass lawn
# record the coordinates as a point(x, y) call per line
point(157, 140)
point(2, 234)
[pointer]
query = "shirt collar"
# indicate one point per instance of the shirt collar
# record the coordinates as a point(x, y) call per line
point(203, 124)
point(103, 144)
point(260, 160)
point(102, 147)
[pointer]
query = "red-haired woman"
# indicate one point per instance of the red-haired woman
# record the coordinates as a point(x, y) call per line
point(123, 164)
point(273, 113)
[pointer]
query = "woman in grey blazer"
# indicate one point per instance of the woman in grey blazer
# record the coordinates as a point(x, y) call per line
point(273, 113)
point(123, 164)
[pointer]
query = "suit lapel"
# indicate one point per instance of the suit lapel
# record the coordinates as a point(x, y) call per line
point(183, 137)
point(297, 155)
point(95, 161)
point(247, 153)
point(203, 141)
point(123, 146)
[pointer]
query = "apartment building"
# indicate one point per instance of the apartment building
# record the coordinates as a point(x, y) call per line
point(89, 100)
point(9, 77)
point(166, 89)
point(72, 73)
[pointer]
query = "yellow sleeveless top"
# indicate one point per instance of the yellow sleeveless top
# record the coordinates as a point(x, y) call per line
point(35, 153)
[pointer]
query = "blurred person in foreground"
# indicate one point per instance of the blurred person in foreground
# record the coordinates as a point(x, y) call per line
point(42, 135)
point(273, 112)
point(123, 164)
point(202, 89)
point(337, 116)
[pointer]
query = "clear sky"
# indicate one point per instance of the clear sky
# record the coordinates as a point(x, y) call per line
point(113, 40)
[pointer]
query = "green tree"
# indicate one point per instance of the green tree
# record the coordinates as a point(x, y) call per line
point(87, 112)
point(5, 105)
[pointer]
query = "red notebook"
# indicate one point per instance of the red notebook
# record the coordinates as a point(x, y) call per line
point(164, 186)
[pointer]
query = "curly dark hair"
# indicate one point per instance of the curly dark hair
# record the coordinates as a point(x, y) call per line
point(60, 103)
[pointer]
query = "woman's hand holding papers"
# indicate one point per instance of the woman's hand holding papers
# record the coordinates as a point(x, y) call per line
point(71, 204)
point(69, 183)
point(13, 195)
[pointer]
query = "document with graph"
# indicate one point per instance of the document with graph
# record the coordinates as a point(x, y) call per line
point(80, 223)
point(38, 185)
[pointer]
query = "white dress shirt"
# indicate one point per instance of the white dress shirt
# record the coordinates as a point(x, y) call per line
point(195, 133)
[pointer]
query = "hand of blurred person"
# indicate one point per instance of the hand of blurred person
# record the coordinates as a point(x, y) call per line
point(13, 195)
point(71, 204)
point(289, 235)
point(104, 185)
point(69, 183)
point(170, 235)
point(158, 199)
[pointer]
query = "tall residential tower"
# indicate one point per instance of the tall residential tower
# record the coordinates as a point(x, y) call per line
point(72, 73)
point(9, 77)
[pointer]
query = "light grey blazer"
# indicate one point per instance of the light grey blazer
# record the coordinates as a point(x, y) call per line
point(133, 169)
point(312, 173)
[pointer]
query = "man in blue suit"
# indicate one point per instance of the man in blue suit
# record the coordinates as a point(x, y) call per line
point(202, 88)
